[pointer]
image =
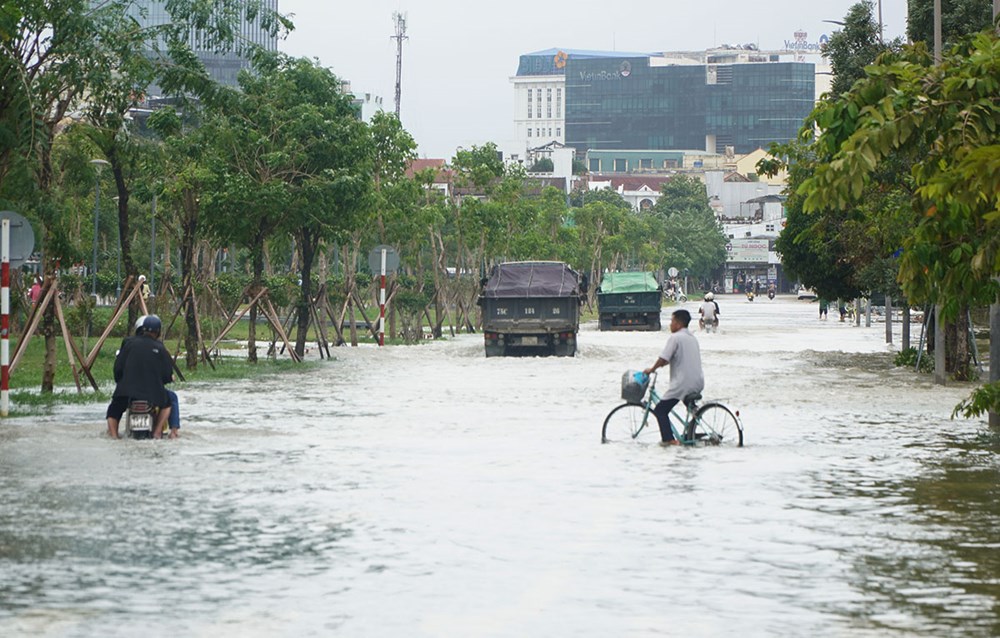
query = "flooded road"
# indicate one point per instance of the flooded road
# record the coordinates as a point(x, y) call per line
point(429, 491)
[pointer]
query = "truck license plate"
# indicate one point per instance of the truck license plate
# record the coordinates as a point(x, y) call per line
point(529, 341)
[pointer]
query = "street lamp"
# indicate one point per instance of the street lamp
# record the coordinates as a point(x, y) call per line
point(98, 165)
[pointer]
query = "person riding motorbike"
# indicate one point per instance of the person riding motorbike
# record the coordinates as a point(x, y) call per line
point(749, 293)
point(141, 369)
point(771, 291)
point(709, 312)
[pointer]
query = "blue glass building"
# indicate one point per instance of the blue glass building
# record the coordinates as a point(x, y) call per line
point(639, 101)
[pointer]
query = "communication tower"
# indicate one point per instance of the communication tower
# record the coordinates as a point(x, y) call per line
point(400, 20)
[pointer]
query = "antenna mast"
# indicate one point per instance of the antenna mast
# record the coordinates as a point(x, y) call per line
point(400, 21)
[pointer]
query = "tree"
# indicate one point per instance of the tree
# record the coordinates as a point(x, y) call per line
point(693, 236)
point(543, 165)
point(959, 18)
point(854, 47)
point(945, 118)
point(295, 160)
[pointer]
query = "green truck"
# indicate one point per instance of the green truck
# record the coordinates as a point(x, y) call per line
point(629, 301)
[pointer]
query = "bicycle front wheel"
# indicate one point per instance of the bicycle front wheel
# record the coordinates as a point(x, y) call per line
point(630, 422)
point(715, 424)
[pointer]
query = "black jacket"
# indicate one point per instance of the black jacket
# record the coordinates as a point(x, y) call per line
point(142, 368)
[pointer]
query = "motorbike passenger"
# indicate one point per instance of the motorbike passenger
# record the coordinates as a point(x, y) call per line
point(141, 369)
point(709, 312)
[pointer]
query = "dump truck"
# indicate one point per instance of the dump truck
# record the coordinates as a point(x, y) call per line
point(531, 308)
point(629, 301)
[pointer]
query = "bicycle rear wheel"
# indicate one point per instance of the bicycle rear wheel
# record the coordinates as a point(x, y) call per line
point(715, 424)
point(630, 422)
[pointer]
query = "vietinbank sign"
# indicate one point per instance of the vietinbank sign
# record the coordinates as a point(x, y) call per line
point(801, 44)
point(624, 70)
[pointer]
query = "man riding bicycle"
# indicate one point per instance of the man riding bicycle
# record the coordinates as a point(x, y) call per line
point(683, 355)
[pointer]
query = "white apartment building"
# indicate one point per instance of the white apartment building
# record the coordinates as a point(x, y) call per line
point(539, 110)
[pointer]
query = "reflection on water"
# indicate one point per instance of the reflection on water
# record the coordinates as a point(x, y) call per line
point(431, 492)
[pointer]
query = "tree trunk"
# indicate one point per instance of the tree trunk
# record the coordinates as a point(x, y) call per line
point(906, 326)
point(958, 358)
point(257, 283)
point(189, 234)
point(124, 240)
point(307, 246)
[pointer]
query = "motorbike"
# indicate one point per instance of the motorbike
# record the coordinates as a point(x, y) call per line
point(749, 294)
point(709, 326)
point(676, 294)
point(770, 294)
point(139, 420)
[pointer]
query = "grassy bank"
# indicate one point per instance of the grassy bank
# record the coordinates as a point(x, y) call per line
point(25, 383)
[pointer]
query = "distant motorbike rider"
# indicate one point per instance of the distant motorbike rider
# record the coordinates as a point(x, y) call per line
point(709, 312)
point(141, 369)
point(771, 291)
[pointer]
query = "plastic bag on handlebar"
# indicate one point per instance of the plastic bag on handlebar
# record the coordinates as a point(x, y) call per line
point(634, 385)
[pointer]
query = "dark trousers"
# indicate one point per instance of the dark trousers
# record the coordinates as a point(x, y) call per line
point(662, 412)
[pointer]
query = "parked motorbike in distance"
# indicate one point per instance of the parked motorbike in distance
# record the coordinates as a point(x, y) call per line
point(139, 420)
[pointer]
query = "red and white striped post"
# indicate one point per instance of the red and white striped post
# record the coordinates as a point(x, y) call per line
point(381, 305)
point(5, 320)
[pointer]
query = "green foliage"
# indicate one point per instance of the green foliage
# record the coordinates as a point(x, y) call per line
point(854, 47)
point(692, 237)
point(907, 358)
point(982, 400)
point(543, 165)
point(230, 286)
point(944, 119)
point(959, 18)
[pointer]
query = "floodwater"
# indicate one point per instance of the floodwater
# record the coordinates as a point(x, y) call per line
point(429, 491)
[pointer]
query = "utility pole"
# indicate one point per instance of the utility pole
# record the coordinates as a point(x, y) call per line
point(937, 31)
point(400, 21)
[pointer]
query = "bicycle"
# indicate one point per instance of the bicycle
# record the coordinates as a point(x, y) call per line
point(709, 424)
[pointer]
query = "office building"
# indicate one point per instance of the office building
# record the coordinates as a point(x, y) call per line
point(733, 100)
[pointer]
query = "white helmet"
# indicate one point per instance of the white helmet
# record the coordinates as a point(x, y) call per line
point(709, 296)
point(138, 324)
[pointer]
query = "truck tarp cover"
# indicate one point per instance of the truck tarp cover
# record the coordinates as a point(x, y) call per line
point(617, 282)
point(533, 279)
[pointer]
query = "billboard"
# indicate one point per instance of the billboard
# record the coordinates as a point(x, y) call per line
point(747, 251)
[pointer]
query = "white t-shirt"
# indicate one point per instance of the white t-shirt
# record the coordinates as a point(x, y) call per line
point(708, 310)
point(684, 356)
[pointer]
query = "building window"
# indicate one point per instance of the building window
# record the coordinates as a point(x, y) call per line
point(558, 132)
point(621, 165)
point(529, 103)
point(559, 112)
point(548, 103)
point(595, 165)
point(550, 132)
point(529, 131)
point(538, 103)
point(645, 163)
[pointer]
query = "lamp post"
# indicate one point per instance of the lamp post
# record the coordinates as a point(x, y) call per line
point(98, 165)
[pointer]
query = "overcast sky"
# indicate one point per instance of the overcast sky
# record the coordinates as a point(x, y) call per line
point(460, 54)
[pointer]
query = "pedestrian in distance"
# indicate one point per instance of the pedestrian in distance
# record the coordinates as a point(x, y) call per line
point(683, 355)
point(824, 305)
